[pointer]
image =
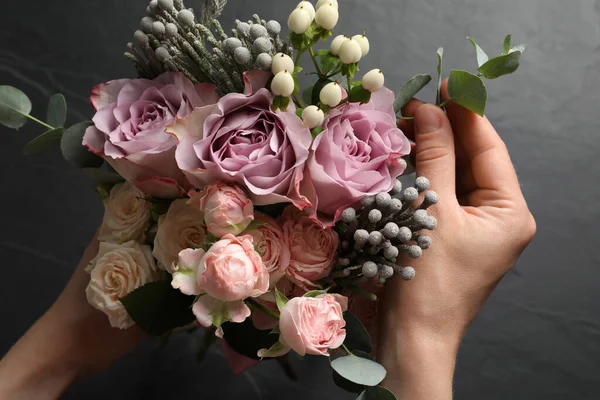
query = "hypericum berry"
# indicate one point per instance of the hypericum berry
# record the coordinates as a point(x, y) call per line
point(312, 117)
point(283, 84)
point(373, 80)
point(307, 5)
point(364, 43)
point(324, 2)
point(350, 52)
point(282, 62)
point(331, 94)
point(336, 43)
point(299, 21)
point(327, 16)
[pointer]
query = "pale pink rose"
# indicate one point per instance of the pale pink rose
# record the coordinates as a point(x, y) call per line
point(186, 271)
point(313, 250)
point(226, 208)
point(268, 240)
point(262, 320)
point(115, 272)
point(182, 227)
point(313, 325)
point(127, 215)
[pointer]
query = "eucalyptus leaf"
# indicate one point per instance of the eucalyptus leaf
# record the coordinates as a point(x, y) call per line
point(501, 65)
point(14, 107)
point(467, 90)
point(345, 384)
point(42, 142)
point(357, 337)
point(409, 90)
point(440, 69)
point(246, 339)
point(507, 42)
point(102, 176)
point(359, 370)
point(376, 393)
point(520, 47)
point(482, 58)
point(56, 114)
point(73, 149)
point(157, 308)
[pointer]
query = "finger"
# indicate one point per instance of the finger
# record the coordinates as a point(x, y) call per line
point(411, 107)
point(407, 128)
point(434, 153)
point(407, 125)
point(487, 154)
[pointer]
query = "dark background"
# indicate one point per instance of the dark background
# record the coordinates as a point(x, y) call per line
point(538, 337)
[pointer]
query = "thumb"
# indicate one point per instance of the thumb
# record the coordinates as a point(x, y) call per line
point(434, 155)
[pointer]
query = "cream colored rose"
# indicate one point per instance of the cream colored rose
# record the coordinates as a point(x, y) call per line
point(117, 270)
point(181, 228)
point(127, 215)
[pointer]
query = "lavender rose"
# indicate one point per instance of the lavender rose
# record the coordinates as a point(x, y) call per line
point(129, 128)
point(356, 155)
point(244, 142)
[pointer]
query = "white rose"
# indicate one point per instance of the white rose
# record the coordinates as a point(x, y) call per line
point(127, 215)
point(118, 270)
point(182, 227)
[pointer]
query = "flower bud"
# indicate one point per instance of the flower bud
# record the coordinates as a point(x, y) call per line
point(337, 43)
point(165, 4)
point(350, 52)
point(307, 5)
point(273, 27)
point(331, 94)
point(170, 30)
point(262, 45)
point(185, 18)
point(230, 44)
point(283, 84)
point(299, 21)
point(334, 3)
point(327, 17)
point(264, 61)
point(282, 62)
point(373, 80)
point(312, 116)
point(363, 42)
point(258, 31)
point(242, 56)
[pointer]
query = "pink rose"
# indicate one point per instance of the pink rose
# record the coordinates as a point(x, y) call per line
point(129, 128)
point(243, 141)
point(264, 321)
point(226, 208)
point(356, 155)
point(268, 241)
point(313, 250)
point(313, 325)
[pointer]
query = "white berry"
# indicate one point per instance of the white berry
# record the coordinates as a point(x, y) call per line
point(331, 94)
point(312, 116)
point(327, 17)
point(282, 62)
point(283, 84)
point(373, 80)
point(334, 3)
point(350, 52)
point(336, 43)
point(364, 43)
point(307, 5)
point(299, 21)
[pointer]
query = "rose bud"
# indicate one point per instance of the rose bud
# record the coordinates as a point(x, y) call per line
point(327, 16)
point(331, 94)
point(363, 42)
point(373, 80)
point(282, 62)
point(312, 116)
point(350, 51)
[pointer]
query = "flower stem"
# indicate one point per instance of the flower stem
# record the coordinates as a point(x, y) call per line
point(444, 103)
point(298, 101)
point(349, 83)
point(298, 55)
point(346, 349)
point(38, 121)
point(406, 118)
point(314, 60)
point(262, 308)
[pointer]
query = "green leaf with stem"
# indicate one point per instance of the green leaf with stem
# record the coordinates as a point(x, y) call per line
point(322, 52)
point(307, 95)
point(56, 114)
point(345, 384)
point(376, 393)
point(482, 58)
point(330, 63)
point(74, 151)
point(42, 142)
point(280, 299)
point(357, 337)
point(359, 370)
point(506, 47)
point(501, 65)
point(314, 60)
point(410, 90)
point(15, 107)
point(358, 94)
point(440, 70)
point(467, 90)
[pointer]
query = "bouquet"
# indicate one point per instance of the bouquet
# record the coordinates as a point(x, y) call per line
point(268, 213)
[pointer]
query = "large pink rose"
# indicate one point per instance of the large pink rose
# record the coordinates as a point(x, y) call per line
point(313, 325)
point(356, 155)
point(313, 250)
point(129, 128)
point(242, 141)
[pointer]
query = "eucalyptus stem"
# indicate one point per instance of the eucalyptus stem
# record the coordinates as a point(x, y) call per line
point(38, 121)
point(262, 308)
point(406, 118)
point(444, 103)
point(298, 101)
point(314, 60)
point(346, 349)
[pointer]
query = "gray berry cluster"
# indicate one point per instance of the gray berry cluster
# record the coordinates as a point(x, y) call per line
point(172, 38)
point(373, 235)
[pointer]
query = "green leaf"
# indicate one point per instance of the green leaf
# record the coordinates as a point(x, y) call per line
point(345, 384)
point(307, 94)
point(296, 41)
point(359, 94)
point(157, 308)
point(322, 52)
point(359, 370)
point(246, 339)
point(74, 151)
point(280, 299)
point(315, 293)
point(520, 48)
point(409, 90)
point(329, 63)
point(507, 41)
point(357, 337)
point(376, 393)
point(317, 90)
point(42, 142)
point(102, 176)
point(316, 131)
point(349, 69)
point(440, 69)
point(467, 90)
point(296, 84)
point(298, 69)
point(285, 102)
point(276, 103)
point(56, 114)
point(299, 112)
point(482, 58)
point(14, 106)
point(502, 65)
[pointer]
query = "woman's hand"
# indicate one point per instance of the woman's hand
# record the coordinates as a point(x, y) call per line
point(484, 225)
point(71, 340)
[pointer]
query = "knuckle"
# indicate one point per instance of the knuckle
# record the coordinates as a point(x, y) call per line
point(528, 228)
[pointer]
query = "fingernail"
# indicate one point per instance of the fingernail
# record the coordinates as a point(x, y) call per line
point(427, 118)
